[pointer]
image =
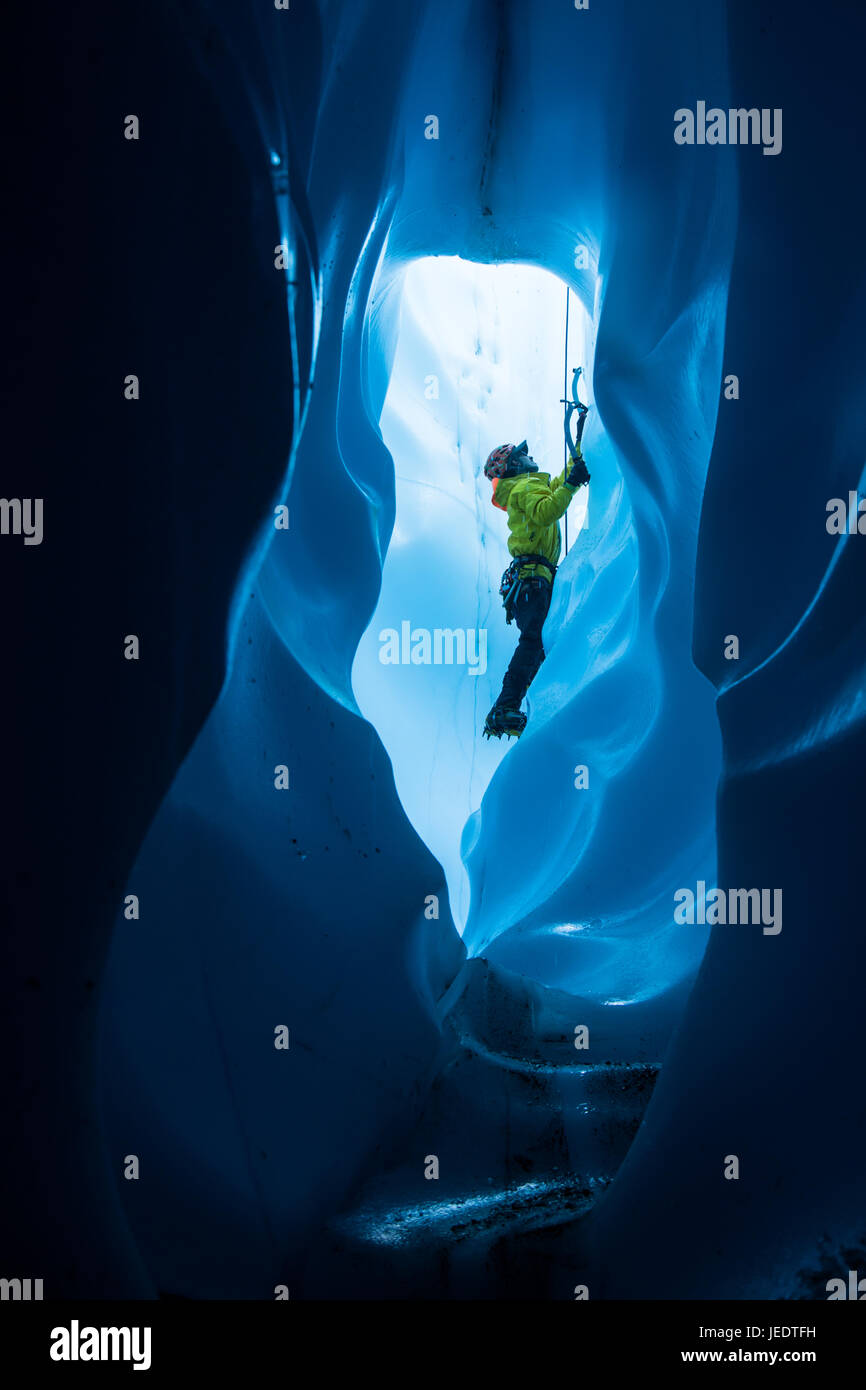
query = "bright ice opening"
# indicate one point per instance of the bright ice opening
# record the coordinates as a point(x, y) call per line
point(478, 362)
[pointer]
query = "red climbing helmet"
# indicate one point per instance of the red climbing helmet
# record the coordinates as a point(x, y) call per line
point(498, 461)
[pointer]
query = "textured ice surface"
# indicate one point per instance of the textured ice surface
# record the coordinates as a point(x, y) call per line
point(477, 359)
point(478, 362)
point(308, 904)
point(555, 132)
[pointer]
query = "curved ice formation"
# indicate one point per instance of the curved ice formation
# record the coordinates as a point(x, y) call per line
point(476, 357)
point(475, 363)
point(647, 260)
point(311, 907)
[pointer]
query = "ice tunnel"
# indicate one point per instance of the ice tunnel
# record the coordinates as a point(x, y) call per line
point(477, 359)
point(478, 355)
point(311, 808)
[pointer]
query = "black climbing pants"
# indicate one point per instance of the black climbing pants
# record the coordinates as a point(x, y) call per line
point(530, 611)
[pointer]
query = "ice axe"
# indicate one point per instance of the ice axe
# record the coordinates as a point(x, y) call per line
point(572, 405)
point(575, 404)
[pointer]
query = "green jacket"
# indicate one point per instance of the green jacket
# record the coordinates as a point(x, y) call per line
point(534, 503)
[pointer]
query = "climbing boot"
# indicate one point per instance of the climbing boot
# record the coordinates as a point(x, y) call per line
point(504, 719)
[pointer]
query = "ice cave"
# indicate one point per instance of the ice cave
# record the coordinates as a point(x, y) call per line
point(494, 337)
point(356, 230)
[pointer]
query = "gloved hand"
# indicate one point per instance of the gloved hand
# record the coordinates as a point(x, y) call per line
point(578, 474)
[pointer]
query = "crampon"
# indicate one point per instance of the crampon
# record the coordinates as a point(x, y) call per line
point(503, 720)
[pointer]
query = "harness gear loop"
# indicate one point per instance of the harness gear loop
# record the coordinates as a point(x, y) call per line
point(512, 582)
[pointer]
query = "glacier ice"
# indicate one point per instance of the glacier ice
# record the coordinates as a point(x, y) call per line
point(475, 364)
point(297, 901)
point(477, 358)
point(309, 909)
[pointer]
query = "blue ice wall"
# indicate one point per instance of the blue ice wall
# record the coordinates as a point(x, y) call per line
point(475, 363)
point(495, 342)
point(264, 909)
point(306, 906)
point(765, 1060)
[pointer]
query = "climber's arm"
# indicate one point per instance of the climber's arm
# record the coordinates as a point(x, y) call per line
point(544, 505)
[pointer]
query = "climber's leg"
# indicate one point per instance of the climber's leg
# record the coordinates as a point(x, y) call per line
point(530, 611)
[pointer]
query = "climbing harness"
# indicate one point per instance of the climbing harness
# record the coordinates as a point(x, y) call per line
point(513, 584)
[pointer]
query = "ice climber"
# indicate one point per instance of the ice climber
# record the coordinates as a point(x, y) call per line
point(533, 504)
